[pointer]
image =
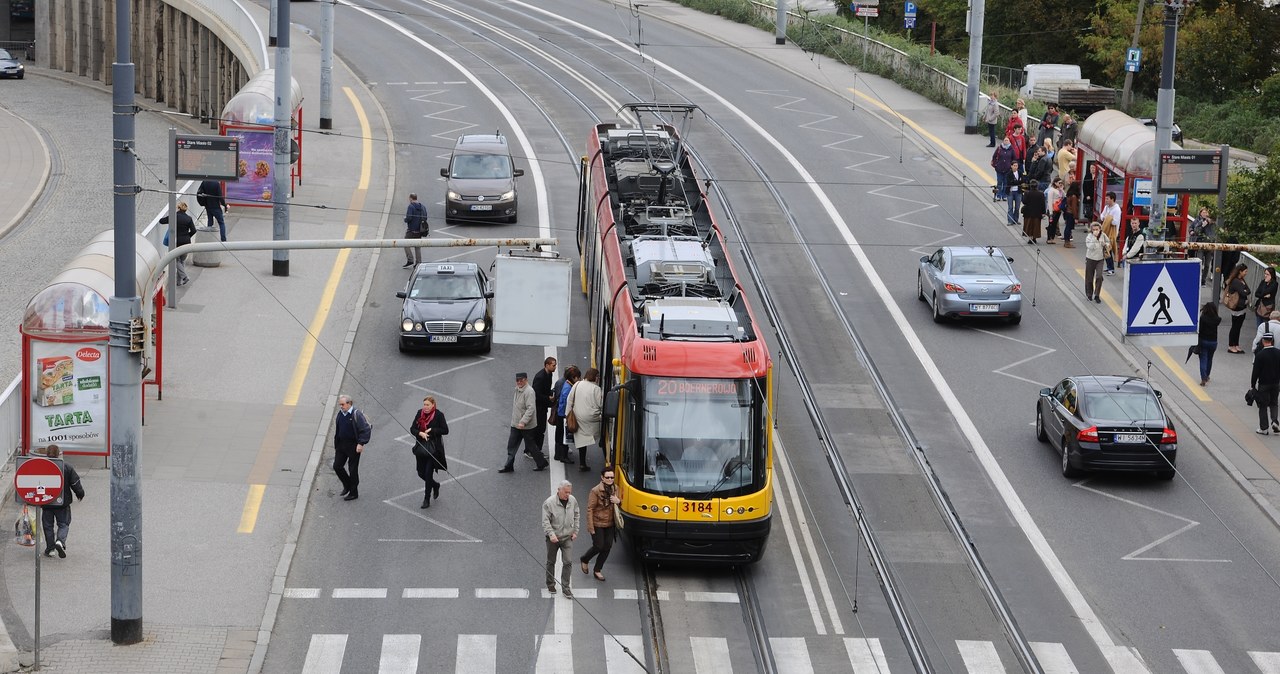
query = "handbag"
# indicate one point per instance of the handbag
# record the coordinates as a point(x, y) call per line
point(1231, 300)
point(1250, 396)
point(571, 422)
point(1262, 310)
point(617, 517)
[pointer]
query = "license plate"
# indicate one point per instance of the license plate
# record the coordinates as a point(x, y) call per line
point(444, 339)
point(482, 207)
point(1130, 438)
point(984, 307)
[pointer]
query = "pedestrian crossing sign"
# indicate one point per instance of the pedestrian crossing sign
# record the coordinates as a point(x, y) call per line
point(1162, 301)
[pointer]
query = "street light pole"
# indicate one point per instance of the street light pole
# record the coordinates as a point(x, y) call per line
point(282, 181)
point(977, 13)
point(1164, 110)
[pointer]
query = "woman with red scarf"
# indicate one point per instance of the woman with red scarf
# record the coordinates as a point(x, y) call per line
point(428, 429)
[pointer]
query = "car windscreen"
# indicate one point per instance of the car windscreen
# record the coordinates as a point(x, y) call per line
point(481, 167)
point(979, 265)
point(4, 54)
point(1123, 406)
point(445, 287)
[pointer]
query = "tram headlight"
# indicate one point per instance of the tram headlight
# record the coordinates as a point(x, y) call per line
point(729, 510)
point(666, 510)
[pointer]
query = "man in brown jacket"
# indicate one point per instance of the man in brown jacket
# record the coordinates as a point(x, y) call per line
point(600, 522)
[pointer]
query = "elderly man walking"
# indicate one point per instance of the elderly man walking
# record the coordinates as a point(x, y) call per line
point(524, 406)
point(560, 517)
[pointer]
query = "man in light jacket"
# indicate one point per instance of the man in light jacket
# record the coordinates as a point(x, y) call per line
point(560, 517)
point(524, 406)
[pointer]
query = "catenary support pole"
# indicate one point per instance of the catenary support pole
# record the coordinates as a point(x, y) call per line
point(171, 287)
point(780, 25)
point(271, 22)
point(125, 366)
point(1221, 211)
point(977, 12)
point(1128, 74)
point(1164, 113)
point(326, 63)
point(284, 113)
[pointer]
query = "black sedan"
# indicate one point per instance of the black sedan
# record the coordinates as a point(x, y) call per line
point(1107, 423)
point(447, 305)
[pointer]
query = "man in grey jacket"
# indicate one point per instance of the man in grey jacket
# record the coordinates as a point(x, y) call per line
point(523, 409)
point(560, 517)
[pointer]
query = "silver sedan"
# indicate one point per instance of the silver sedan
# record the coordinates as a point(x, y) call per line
point(970, 281)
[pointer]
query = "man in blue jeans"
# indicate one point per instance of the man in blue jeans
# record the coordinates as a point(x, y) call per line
point(209, 195)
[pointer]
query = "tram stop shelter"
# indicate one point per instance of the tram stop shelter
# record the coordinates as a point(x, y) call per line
point(250, 116)
point(1117, 153)
point(64, 348)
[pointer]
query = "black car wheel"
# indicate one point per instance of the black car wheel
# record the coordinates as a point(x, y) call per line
point(920, 287)
point(1067, 469)
point(1015, 319)
point(937, 315)
point(1040, 434)
point(1166, 474)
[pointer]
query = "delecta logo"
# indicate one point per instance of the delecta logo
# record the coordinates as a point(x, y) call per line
point(68, 419)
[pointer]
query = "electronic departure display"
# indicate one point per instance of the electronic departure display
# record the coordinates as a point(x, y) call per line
point(208, 157)
point(1189, 171)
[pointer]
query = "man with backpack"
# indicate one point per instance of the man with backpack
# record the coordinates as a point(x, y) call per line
point(415, 227)
point(352, 432)
point(209, 195)
point(55, 541)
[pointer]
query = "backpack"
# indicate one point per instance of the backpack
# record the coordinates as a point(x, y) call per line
point(1257, 349)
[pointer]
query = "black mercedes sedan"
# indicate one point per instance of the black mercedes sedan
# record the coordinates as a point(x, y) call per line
point(447, 305)
point(1107, 423)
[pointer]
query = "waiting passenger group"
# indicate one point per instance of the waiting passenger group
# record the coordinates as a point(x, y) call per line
point(572, 406)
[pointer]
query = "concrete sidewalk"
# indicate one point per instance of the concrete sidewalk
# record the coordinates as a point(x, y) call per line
point(1216, 416)
point(227, 454)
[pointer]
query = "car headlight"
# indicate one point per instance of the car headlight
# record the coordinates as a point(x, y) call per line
point(406, 325)
point(480, 325)
point(508, 196)
point(453, 195)
point(468, 327)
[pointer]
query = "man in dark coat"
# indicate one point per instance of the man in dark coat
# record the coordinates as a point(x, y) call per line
point(1266, 381)
point(545, 399)
point(56, 542)
point(1000, 161)
point(210, 195)
point(1032, 212)
point(352, 432)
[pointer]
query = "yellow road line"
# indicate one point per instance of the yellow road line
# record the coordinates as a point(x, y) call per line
point(274, 438)
point(984, 172)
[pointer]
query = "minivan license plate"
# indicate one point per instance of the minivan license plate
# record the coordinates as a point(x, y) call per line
point(1130, 438)
point(984, 307)
point(442, 339)
point(482, 207)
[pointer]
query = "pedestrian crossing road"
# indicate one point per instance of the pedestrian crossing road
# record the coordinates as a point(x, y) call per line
point(478, 654)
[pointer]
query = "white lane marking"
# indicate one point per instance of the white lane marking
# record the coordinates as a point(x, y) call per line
point(359, 593)
point(324, 654)
point(464, 537)
point(633, 595)
point(616, 660)
point(664, 595)
point(1079, 605)
point(302, 593)
point(866, 656)
point(797, 558)
point(824, 588)
point(1044, 351)
point(716, 597)
point(555, 654)
point(1133, 556)
point(791, 655)
point(1197, 662)
point(502, 593)
point(535, 166)
point(399, 654)
point(477, 654)
point(584, 593)
point(1267, 662)
point(430, 593)
point(980, 657)
point(1053, 658)
point(710, 655)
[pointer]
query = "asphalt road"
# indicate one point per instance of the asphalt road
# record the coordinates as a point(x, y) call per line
point(1170, 569)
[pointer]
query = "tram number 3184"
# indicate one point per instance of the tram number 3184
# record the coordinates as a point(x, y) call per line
point(699, 507)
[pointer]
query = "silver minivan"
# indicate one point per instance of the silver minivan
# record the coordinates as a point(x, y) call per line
point(480, 181)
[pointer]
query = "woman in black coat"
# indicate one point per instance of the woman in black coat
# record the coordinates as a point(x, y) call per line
point(1208, 339)
point(186, 228)
point(1264, 297)
point(429, 428)
point(1236, 284)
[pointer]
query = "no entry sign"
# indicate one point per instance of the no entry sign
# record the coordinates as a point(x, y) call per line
point(38, 481)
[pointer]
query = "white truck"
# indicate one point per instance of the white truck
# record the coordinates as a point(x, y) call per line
point(1062, 84)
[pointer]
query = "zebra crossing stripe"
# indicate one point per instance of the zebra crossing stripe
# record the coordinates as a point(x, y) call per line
point(502, 593)
point(399, 654)
point(477, 654)
point(1053, 658)
point(1125, 660)
point(866, 656)
point(1268, 663)
point(791, 655)
point(980, 657)
point(717, 597)
point(302, 593)
point(617, 661)
point(1197, 662)
point(324, 655)
point(710, 655)
point(555, 654)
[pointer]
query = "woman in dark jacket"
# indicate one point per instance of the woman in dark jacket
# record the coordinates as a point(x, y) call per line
point(1069, 213)
point(428, 429)
point(1236, 284)
point(1264, 297)
point(1208, 343)
point(186, 229)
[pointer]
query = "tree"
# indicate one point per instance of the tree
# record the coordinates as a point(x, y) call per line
point(1252, 211)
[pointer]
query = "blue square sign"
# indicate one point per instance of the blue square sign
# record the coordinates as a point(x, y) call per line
point(1162, 298)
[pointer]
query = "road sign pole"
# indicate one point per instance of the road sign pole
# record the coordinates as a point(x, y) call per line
point(780, 23)
point(39, 536)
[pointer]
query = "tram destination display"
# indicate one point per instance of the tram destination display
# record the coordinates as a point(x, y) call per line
point(208, 157)
point(1196, 171)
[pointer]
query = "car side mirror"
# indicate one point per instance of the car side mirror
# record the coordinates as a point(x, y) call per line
point(518, 172)
point(1046, 392)
point(1009, 259)
point(402, 294)
point(444, 173)
point(611, 400)
point(1159, 394)
point(488, 295)
point(924, 258)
